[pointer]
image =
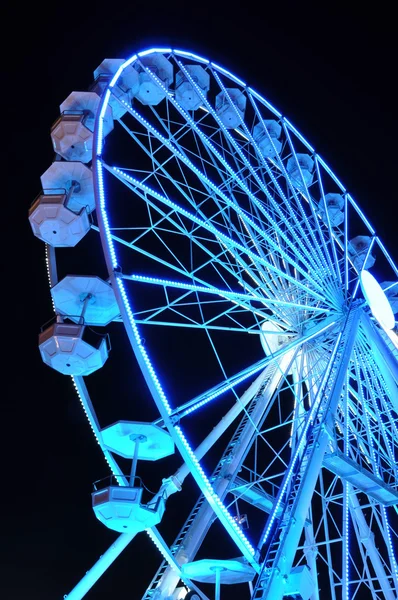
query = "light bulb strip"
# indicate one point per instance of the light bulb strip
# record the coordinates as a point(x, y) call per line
point(301, 443)
point(303, 257)
point(259, 153)
point(323, 250)
point(335, 267)
point(206, 141)
point(231, 140)
point(235, 532)
point(79, 386)
point(218, 234)
point(283, 170)
point(390, 548)
point(220, 389)
point(346, 500)
point(223, 293)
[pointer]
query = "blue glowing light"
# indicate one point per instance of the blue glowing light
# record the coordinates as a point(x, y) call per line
point(154, 50)
point(330, 172)
point(390, 545)
point(300, 445)
point(229, 242)
point(196, 288)
point(346, 540)
point(191, 55)
point(195, 464)
point(80, 389)
point(346, 537)
point(233, 77)
point(360, 213)
point(377, 300)
point(245, 217)
point(265, 102)
point(197, 470)
point(298, 135)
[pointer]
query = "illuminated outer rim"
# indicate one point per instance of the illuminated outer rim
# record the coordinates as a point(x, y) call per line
point(126, 312)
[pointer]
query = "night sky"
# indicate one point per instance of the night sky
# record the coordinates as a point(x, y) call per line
point(332, 71)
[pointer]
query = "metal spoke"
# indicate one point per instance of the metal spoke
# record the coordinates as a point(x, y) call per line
point(212, 225)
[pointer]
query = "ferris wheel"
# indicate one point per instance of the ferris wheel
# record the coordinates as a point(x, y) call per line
point(259, 303)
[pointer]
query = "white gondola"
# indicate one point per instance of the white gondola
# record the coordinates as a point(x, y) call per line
point(218, 571)
point(63, 348)
point(77, 181)
point(121, 507)
point(54, 223)
point(125, 89)
point(72, 132)
point(75, 293)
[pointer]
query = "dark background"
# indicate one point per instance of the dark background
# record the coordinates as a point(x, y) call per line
point(331, 69)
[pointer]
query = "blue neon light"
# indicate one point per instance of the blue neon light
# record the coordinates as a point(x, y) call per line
point(201, 175)
point(302, 442)
point(330, 172)
point(360, 213)
point(346, 541)
point(377, 471)
point(120, 70)
point(215, 497)
point(199, 471)
point(388, 257)
point(215, 151)
point(101, 121)
point(214, 230)
point(233, 77)
point(155, 50)
point(265, 102)
point(112, 253)
point(346, 538)
point(222, 390)
point(297, 134)
point(196, 288)
point(191, 55)
point(88, 411)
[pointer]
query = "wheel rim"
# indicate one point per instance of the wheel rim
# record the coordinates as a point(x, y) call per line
point(282, 246)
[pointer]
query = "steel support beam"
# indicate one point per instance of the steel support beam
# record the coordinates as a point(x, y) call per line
point(383, 352)
point(275, 584)
point(366, 537)
point(205, 516)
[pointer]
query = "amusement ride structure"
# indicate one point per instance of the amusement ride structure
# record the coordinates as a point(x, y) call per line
point(258, 302)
